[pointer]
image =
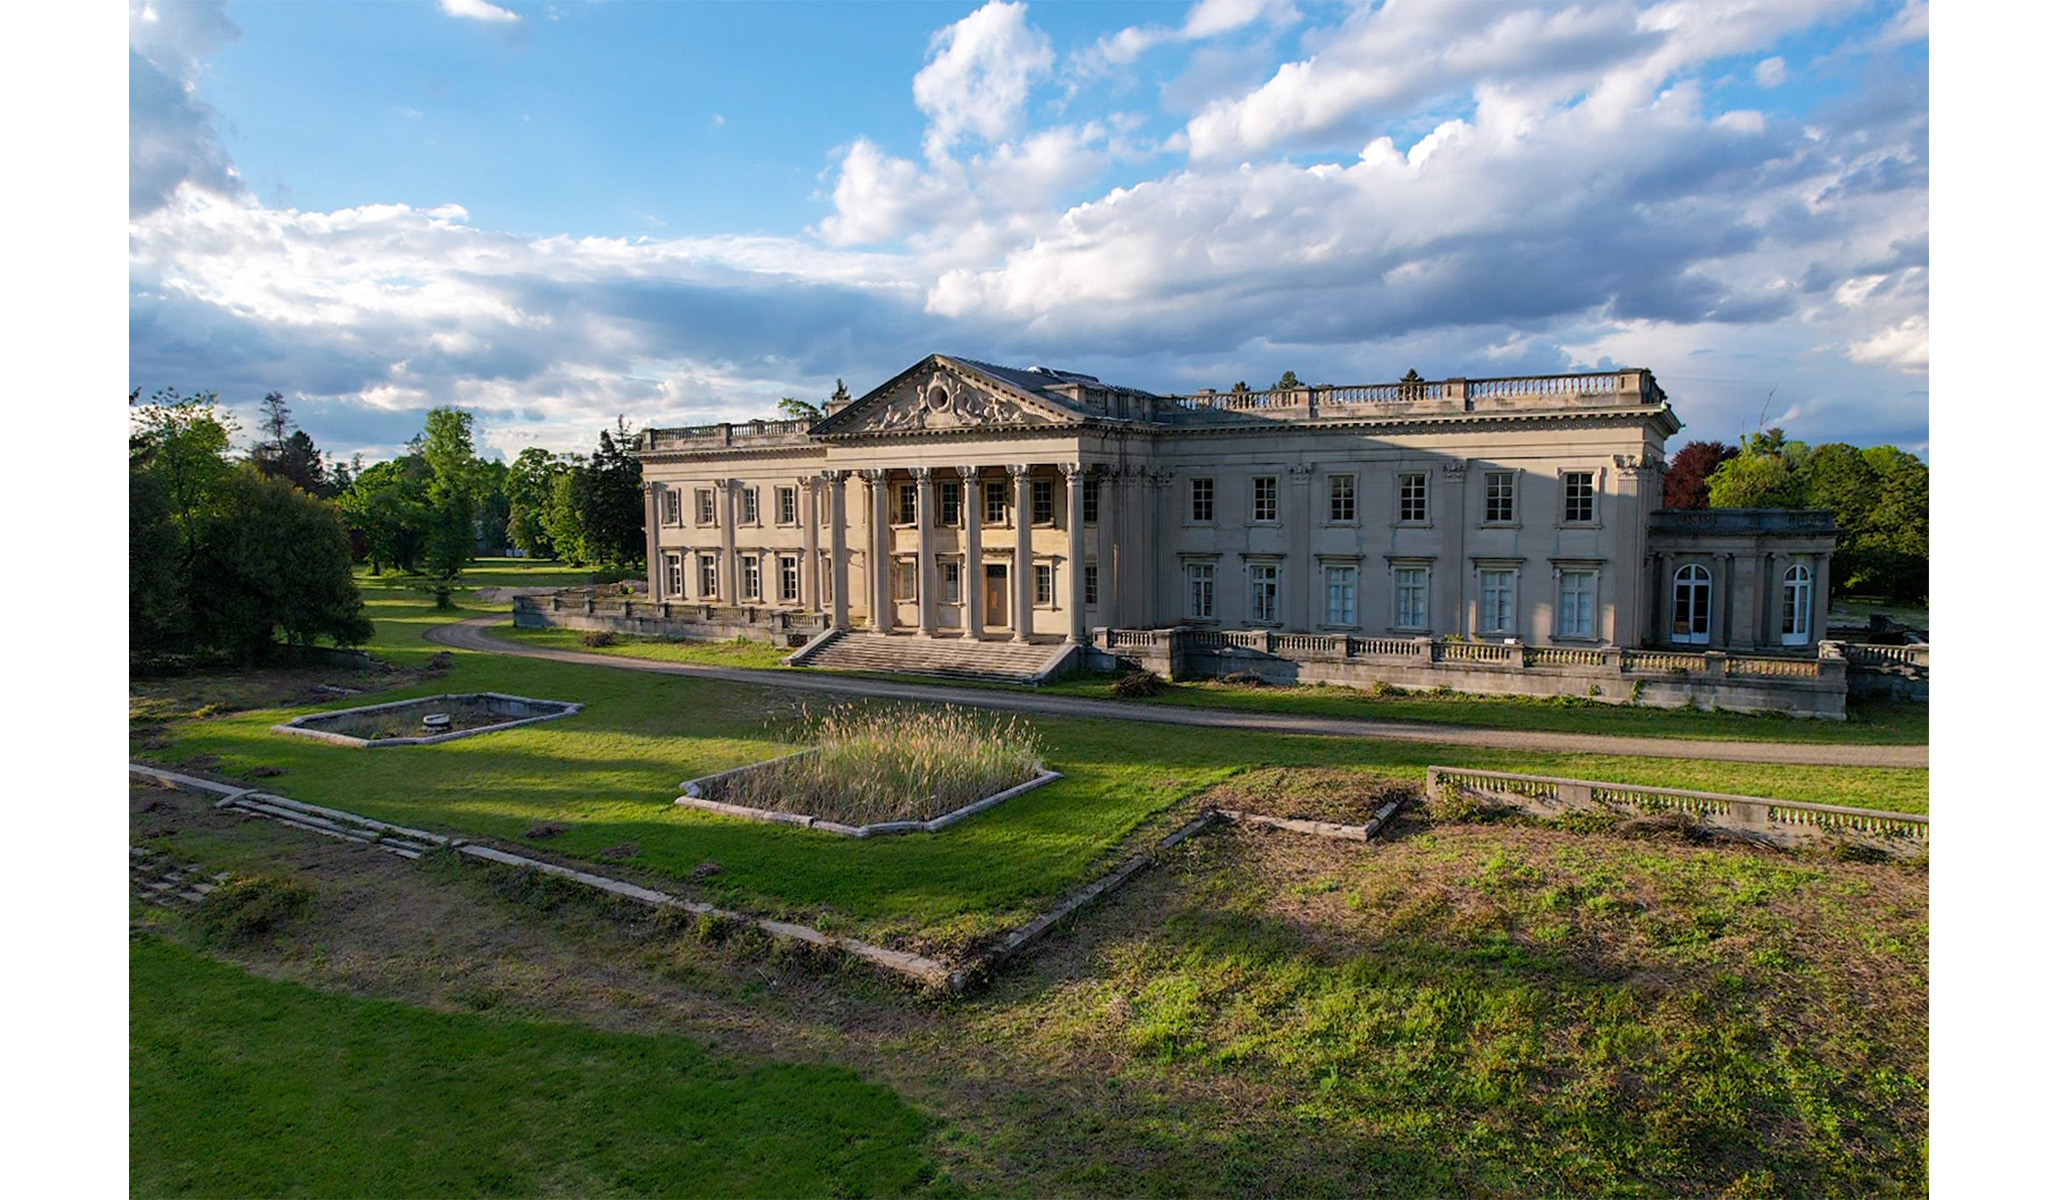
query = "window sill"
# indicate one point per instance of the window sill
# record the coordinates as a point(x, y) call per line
point(1341, 525)
point(1499, 525)
point(1331, 627)
point(1414, 525)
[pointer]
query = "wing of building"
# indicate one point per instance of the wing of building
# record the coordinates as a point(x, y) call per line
point(965, 500)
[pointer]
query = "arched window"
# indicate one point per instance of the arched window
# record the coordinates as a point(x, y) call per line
point(1692, 595)
point(1797, 606)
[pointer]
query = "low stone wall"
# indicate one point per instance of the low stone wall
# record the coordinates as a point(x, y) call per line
point(1809, 687)
point(1888, 672)
point(1788, 823)
point(667, 618)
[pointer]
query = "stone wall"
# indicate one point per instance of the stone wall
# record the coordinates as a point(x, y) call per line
point(1809, 687)
point(667, 618)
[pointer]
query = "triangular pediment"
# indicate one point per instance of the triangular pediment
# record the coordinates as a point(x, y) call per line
point(937, 394)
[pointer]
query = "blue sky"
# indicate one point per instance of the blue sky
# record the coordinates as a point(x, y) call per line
point(552, 213)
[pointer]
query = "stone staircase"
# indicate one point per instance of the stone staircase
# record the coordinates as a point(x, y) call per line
point(995, 661)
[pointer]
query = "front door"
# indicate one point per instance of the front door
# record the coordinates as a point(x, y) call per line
point(996, 595)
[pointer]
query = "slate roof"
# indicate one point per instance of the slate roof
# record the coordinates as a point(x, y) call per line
point(1041, 382)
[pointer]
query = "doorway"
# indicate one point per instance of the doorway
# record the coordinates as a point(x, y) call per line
point(996, 595)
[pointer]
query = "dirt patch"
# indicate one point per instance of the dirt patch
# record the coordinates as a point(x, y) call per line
point(153, 702)
point(1310, 794)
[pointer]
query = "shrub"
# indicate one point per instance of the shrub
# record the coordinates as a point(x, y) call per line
point(597, 637)
point(1245, 679)
point(1138, 684)
point(891, 764)
point(246, 910)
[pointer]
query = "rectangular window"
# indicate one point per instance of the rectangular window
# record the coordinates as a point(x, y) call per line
point(753, 582)
point(904, 504)
point(949, 502)
point(1499, 497)
point(953, 581)
point(749, 506)
point(710, 582)
point(1264, 593)
point(1342, 499)
point(1089, 503)
point(1414, 496)
point(1043, 501)
point(1496, 602)
point(1342, 595)
point(1046, 584)
point(1264, 498)
point(789, 578)
point(1091, 583)
point(1575, 603)
point(1578, 497)
point(703, 505)
point(903, 580)
point(674, 574)
point(1410, 598)
point(1200, 590)
point(1202, 491)
point(996, 502)
point(789, 506)
point(673, 503)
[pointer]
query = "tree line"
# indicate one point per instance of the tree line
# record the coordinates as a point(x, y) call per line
point(232, 553)
point(1879, 496)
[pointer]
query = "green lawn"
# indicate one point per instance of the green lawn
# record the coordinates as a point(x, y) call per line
point(240, 1086)
point(737, 652)
point(1486, 1011)
point(1874, 723)
point(610, 775)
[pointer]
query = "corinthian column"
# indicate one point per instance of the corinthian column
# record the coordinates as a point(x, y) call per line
point(973, 510)
point(810, 565)
point(1075, 553)
point(881, 554)
point(1024, 556)
point(839, 549)
point(925, 565)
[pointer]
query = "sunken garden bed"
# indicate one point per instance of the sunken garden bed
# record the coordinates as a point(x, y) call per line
point(876, 771)
point(426, 720)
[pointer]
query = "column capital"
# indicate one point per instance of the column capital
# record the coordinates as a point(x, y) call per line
point(1071, 470)
point(1302, 472)
point(873, 474)
point(1017, 470)
point(922, 474)
point(968, 472)
point(836, 475)
point(807, 480)
point(1157, 476)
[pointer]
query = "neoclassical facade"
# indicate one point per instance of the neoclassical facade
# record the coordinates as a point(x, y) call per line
point(965, 500)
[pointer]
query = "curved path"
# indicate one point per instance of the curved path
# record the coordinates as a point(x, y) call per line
point(472, 635)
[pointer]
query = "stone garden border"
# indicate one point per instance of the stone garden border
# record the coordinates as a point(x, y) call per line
point(298, 725)
point(876, 829)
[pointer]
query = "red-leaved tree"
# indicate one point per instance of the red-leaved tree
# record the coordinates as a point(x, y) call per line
point(1685, 481)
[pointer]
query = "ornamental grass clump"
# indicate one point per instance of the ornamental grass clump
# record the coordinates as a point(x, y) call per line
point(892, 764)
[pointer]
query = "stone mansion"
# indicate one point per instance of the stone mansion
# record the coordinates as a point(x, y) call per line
point(1510, 527)
point(962, 499)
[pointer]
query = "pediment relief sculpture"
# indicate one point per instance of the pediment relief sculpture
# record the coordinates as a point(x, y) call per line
point(941, 400)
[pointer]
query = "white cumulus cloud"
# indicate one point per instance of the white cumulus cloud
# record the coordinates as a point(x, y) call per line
point(978, 75)
point(477, 10)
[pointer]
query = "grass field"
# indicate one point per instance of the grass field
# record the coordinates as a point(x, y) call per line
point(1484, 1010)
point(609, 775)
point(241, 1086)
